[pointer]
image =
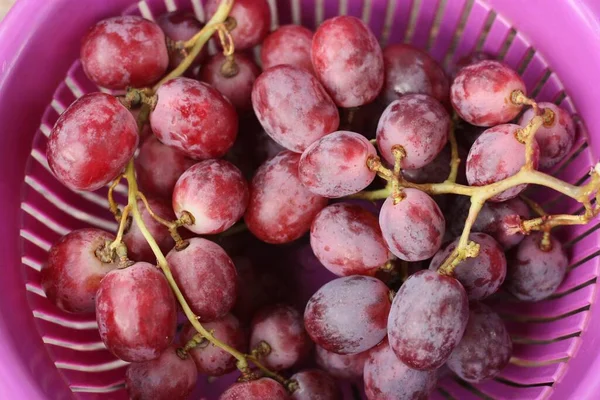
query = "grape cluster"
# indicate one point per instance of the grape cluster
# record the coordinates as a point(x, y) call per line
point(286, 149)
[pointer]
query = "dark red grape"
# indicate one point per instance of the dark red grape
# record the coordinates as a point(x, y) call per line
point(282, 328)
point(194, 118)
point(466, 134)
point(427, 319)
point(260, 389)
point(315, 384)
point(481, 276)
point(136, 312)
point(348, 61)
point(484, 349)
point(138, 248)
point(158, 167)
point(71, 276)
point(252, 19)
point(497, 219)
point(387, 378)
point(210, 359)
point(436, 171)
point(414, 228)
point(348, 315)
point(166, 378)
point(293, 107)
point(409, 70)
point(556, 137)
point(214, 192)
point(481, 93)
point(288, 44)
point(234, 81)
point(181, 26)
point(206, 276)
point(417, 122)
point(281, 209)
point(534, 274)
point(342, 366)
point(347, 239)
point(336, 165)
point(91, 142)
point(497, 155)
point(124, 51)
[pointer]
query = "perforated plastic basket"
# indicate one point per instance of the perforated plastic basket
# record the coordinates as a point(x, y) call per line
point(48, 354)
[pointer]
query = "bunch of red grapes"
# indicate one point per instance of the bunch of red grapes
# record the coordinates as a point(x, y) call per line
point(327, 104)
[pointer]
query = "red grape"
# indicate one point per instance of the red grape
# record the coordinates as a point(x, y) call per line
point(260, 389)
point(470, 59)
point(342, 366)
point(194, 118)
point(315, 384)
point(214, 192)
point(497, 219)
point(136, 312)
point(414, 228)
point(293, 107)
point(427, 319)
point(206, 276)
point(281, 209)
point(336, 165)
point(253, 21)
point(181, 26)
point(466, 134)
point(555, 138)
point(417, 122)
point(348, 61)
point(484, 349)
point(288, 44)
point(481, 276)
point(535, 274)
point(497, 155)
point(387, 378)
point(348, 315)
point(158, 167)
point(138, 248)
point(235, 84)
point(481, 93)
point(124, 51)
point(347, 240)
point(166, 378)
point(409, 70)
point(282, 328)
point(209, 359)
point(71, 276)
point(91, 142)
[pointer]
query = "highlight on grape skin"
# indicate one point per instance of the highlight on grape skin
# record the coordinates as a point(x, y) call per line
point(366, 160)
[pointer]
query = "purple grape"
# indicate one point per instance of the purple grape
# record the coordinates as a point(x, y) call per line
point(333, 313)
point(387, 378)
point(413, 229)
point(484, 349)
point(555, 138)
point(497, 155)
point(427, 319)
point(417, 122)
point(481, 276)
point(315, 384)
point(259, 389)
point(496, 219)
point(534, 274)
point(347, 240)
point(336, 165)
point(470, 59)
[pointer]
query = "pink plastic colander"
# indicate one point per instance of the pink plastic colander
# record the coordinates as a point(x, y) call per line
point(48, 354)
